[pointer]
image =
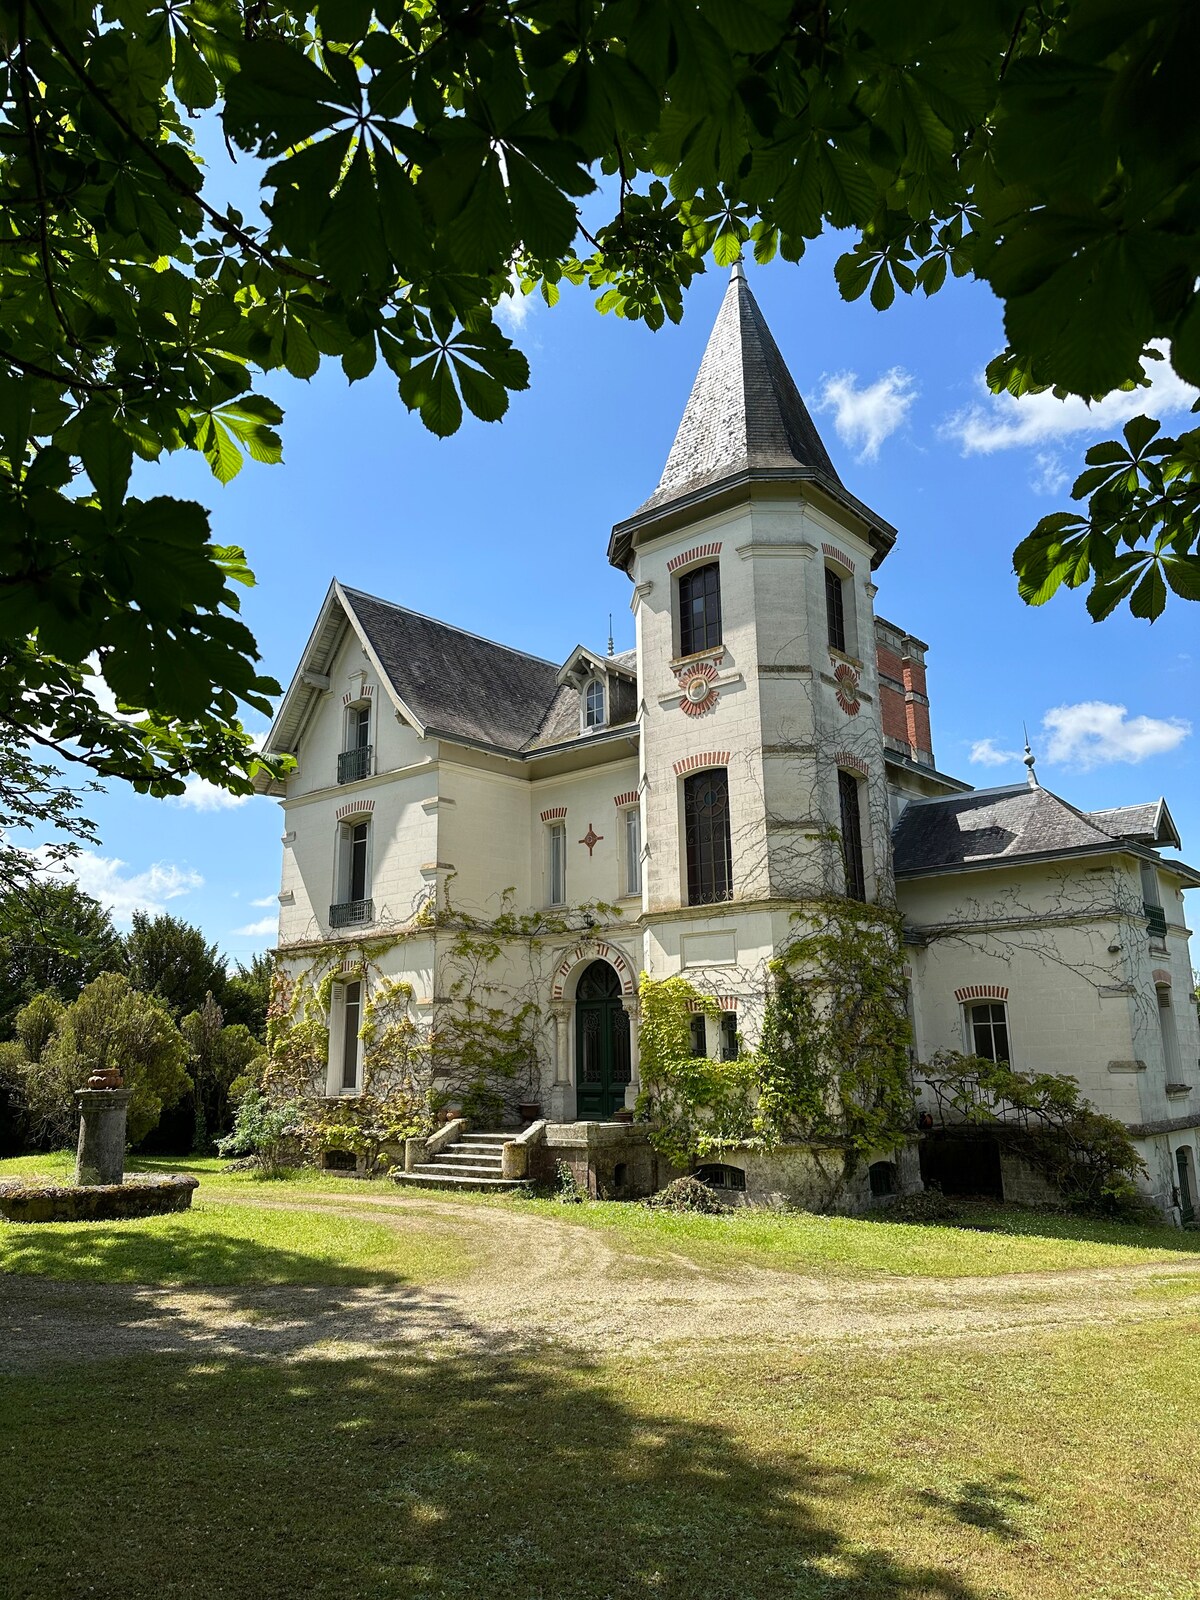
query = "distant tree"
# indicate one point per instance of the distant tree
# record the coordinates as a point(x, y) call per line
point(168, 957)
point(248, 994)
point(217, 1055)
point(110, 1024)
point(53, 938)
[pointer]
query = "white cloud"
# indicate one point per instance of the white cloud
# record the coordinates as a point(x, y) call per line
point(200, 795)
point(1050, 476)
point(865, 417)
point(513, 309)
point(267, 900)
point(1095, 733)
point(1002, 422)
point(124, 892)
point(264, 928)
point(985, 753)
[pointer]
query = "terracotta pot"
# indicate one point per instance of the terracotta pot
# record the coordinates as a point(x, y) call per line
point(623, 1114)
point(529, 1110)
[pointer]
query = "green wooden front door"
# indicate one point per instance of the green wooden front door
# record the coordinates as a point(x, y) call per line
point(602, 1068)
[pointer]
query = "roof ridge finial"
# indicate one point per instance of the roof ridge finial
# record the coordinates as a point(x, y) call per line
point(1030, 760)
point(611, 650)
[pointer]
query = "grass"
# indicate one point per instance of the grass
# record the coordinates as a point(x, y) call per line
point(998, 1242)
point(217, 1242)
point(956, 1472)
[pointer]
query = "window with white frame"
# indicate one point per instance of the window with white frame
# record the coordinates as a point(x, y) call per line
point(987, 1030)
point(632, 842)
point(593, 704)
point(556, 863)
point(1170, 1036)
point(354, 762)
point(352, 886)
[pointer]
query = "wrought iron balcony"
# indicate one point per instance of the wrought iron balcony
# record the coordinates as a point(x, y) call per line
point(354, 764)
point(351, 913)
point(1156, 920)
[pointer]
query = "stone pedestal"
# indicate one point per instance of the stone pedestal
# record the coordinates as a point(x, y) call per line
point(101, 1154)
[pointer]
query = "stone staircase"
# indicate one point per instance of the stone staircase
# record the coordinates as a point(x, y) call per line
point(471, 1162)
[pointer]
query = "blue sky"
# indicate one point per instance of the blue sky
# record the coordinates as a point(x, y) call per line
point(503, 528)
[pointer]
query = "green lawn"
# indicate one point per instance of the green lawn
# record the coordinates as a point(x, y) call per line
point(997, 1242)
point(996, 1470)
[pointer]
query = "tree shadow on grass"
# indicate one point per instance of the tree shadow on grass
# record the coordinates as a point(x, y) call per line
point(991, 1506)
point(433, 1476)
point(989, 1217)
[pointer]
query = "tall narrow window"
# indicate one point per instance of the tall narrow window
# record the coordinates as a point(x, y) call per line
point(556, 846)
point(729, 1038)
point(351, 1022)
point(355, 760)
point(706, 837)
point(357, 882)
point(835, 610)
point(1170, 1036)
point(633, 850)
point(852, 845)
point(699, 1034)
point(988, 1026)
point(593, 705)
point(700, 609)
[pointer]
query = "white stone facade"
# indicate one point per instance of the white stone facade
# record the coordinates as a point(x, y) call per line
point(457, 816)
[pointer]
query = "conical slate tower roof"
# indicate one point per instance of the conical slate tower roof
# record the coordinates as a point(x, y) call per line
point(745, 422)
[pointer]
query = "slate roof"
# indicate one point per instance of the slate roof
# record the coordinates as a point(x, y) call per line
point(990, 825)
point(1148, 824)
point(744, 420)
point(455, 682)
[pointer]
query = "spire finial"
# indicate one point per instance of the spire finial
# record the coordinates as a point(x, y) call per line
point(736, 275)
point(1030, 760)
point(611, 651)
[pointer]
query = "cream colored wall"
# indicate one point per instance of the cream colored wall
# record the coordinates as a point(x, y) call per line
point(777, 714)
point(1081, 996)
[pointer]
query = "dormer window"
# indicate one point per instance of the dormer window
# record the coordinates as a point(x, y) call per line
point(593, 704)
point(355, 760)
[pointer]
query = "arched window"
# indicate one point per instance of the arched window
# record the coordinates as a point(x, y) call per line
point(700, 609)
point(835, 609)
point(593, 704)
point(852, 841)
point(882, 1175)
point(987, 1028)
point(706, 836)
point(719, 1176)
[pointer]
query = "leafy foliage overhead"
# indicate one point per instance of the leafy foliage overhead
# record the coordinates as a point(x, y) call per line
point(416, 154)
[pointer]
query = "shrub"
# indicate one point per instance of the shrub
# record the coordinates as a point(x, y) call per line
point(262, 1129)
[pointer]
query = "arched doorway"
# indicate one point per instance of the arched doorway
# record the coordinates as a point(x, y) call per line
point(602, 1059)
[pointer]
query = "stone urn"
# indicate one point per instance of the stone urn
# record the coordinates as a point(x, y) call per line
point(103, 1108)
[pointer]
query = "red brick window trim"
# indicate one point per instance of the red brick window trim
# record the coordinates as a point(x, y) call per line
point(981, 991)
point(356, 808)
point(352, 697)
point(630, 799)
point(851, 762)
point(555, 815)
point(835, 554)
point(702, 552)
point(707, 758)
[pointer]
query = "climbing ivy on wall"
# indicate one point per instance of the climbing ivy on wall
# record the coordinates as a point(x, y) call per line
point(697, 1106)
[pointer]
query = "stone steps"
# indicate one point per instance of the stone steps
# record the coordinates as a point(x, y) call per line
point(473, 1162)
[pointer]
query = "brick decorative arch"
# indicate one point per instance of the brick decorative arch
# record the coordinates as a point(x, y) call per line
point(982, 991)
point(834, 554)
point(1162, 976)
point(588, 950)
point(356, 808)
point(630, 799)
point(556, 814)
point(700, 553)
point(853, 763)
point(726, 1002)
point(365, 693)
point(703, 758)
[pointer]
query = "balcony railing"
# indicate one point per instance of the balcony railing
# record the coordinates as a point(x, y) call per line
point(351, 913)
point(354, 764)
point(1156, 920)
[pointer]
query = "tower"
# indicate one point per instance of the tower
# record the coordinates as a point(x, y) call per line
point(751, 564)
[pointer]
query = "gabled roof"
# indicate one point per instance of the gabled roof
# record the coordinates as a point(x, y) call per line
point(441, 679)
point(1151, 823)
point(744, 422)
point(991, 826)
point(583, 662)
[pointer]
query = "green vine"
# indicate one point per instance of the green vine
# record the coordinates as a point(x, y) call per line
point(696, 1106)
point(834, 1055)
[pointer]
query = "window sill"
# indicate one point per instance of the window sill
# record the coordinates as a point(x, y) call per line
point(715, 654)
point(844, 655)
